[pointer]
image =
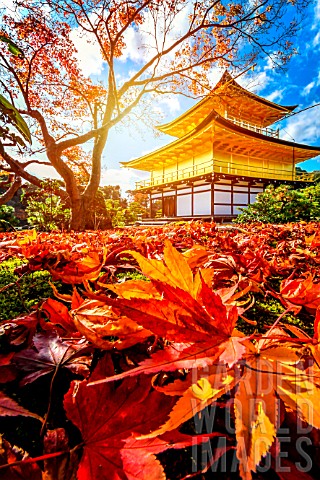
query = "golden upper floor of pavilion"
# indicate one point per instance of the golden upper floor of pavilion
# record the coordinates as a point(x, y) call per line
point(230, 100)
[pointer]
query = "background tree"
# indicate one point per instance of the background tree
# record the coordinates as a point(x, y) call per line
point(66, 110)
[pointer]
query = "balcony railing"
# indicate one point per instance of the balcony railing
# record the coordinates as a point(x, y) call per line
point(269, 132)
point(228, 168)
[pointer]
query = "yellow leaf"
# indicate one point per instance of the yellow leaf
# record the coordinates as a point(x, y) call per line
point(151, 268)
point(179, 268)
point(26, 236)
point(134, 289)
point(256, 413)
point(198, 396)
point(174, 270)
point(299, 391)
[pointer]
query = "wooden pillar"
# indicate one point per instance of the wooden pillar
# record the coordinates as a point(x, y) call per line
point(150, 207)
point(192, 200)
point(212, 199)
point(293, 164)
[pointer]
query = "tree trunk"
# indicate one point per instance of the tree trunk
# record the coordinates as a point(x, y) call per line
point(11, 191)
point(82, 214)
point(77, 217)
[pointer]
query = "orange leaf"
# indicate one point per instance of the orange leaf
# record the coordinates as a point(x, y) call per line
point(104, 328)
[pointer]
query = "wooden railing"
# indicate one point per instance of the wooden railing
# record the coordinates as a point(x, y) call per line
point(228, 168)
point(269, 132)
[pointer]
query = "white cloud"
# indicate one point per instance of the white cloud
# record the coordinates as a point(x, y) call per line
point(214, 75)
point(135, 48)
point(258, 81)
point(269, 65)
point(124, 177)
point(43, 171)
point(307, 89)
point(304, 127)
point(168, 104)
point(316, 40)
point(88, 53)
point(9, 6)
point(276, 95)
point(154, 35)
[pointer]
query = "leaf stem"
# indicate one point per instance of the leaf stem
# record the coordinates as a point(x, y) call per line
point(34, 460)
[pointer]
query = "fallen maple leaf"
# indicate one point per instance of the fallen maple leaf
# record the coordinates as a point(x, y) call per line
point(270, 370)
point(21, 329)
point(302, 292)
point(49, 354)
point(174, 270)
point(9, 407)
point(75, 268)
point(62, 467)
point(201, 389)
point(108, 417)
point(58, 315)
point(105, 329)
point(195, 329)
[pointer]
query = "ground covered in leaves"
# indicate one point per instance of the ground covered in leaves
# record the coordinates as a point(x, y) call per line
point(179, 352)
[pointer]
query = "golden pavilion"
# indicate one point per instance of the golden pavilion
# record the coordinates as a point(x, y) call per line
point(225, 153)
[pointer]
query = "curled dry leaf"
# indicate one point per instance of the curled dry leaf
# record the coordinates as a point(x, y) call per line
point(58, 315)
point(63, 467)
point(75, 268)
point(105, 329)
point(10, 454)
point(301, 292)
point(20, 330)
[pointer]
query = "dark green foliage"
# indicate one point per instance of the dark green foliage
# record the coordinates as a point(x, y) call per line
point(131, 275)
point(283, 204)
point(19, 293)
point(266, 311)
point(7, 218)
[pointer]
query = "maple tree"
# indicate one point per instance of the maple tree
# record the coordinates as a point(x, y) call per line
point(180, 42)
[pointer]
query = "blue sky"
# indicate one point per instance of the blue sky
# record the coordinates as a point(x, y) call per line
point(299, 84)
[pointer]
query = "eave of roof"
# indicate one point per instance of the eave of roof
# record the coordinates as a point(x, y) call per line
point(215, 117)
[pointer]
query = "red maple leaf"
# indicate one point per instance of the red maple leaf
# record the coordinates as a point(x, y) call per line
point(59, 316)
point(301, 292)
point(109, 417)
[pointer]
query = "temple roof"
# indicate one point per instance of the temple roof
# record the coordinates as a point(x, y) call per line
point(230, 99)
point(216, 132)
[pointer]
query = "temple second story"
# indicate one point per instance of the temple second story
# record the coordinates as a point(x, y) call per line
point(233, 102)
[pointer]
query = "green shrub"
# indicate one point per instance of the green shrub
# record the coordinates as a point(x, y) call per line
point(7, 218)
point(19, 294)
point(45, 210)
point(282, 205)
